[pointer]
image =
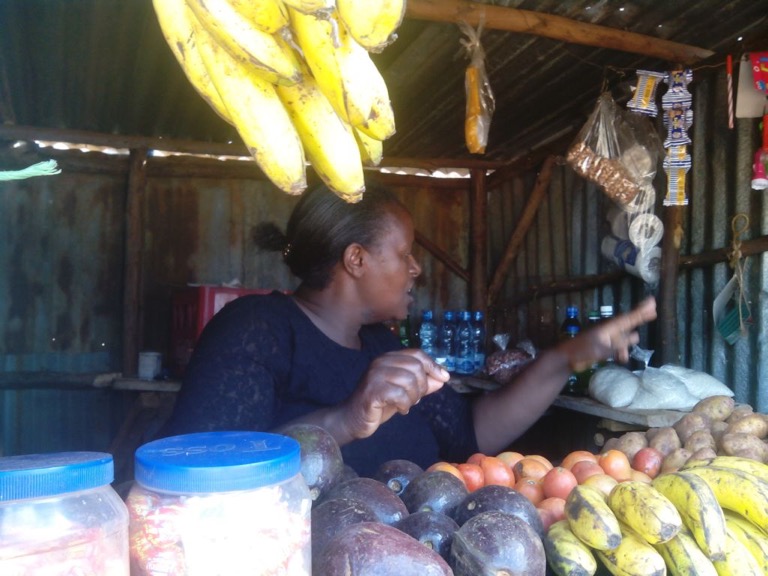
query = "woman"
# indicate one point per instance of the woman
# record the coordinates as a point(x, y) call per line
point(323, 356)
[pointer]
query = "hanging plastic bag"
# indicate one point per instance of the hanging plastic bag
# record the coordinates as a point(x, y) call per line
point(480, 100)
point(607, 153)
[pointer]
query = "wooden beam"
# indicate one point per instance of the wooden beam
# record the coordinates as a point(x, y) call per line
point(134, 235)
point(552, 26)
point(529, 213)
point(478, 241)
point(442, 256)
point(748, 248)
point(673, 237)
point(559, 285)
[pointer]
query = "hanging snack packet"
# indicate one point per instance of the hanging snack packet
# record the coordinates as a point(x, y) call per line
point(480, 100)
point(644, 98)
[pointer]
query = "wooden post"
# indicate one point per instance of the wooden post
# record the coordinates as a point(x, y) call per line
point(541, 188)
point(673, 224)
point(478, 241)
point(134, 234)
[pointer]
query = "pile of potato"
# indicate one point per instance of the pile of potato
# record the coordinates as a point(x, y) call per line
point(715, 426)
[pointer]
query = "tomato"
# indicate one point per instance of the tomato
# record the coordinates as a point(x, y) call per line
point(584, 469)
point(496, 471)
point(541, 459)
point(547, 518)
point(510, 458)
point(531, 488)
point(558, 482)
point(648, 460)
point(615, 463)
point(602, 482)
point(475, 458)
point(639, 476)
point(555, 505)
point(576, 456)
point(530, 468)
point(473, 475)
point(447, 467)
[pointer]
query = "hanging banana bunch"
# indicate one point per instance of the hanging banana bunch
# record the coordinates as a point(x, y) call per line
point(295, 78)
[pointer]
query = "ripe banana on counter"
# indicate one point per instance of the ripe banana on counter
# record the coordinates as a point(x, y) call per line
point(684, 557)
point(757, 469)
point(566, 554)
point(176, 23)
point(371, 150)
point(738, 560)
point(329, 142)
point(633, 557)
point(754, 539)
point(590, 518)
point(699, 509)
point(372, 23)
point(270, 16)
point(345, 73)
point(258, 114)
point(268, 54)
point(645, 510)
point(738, 491)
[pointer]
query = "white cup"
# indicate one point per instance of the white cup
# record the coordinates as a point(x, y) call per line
point(149, 365)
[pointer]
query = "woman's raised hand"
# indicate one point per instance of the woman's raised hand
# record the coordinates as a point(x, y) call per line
point(394, 382)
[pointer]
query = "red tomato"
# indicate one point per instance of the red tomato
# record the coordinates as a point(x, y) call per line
point(559, 482)
point(531, 488)
point(615, 463)
point(473, 475)
point(547, 517)
point(648, 460)
point(555, 505)
point(496, 472)
point(584, 469)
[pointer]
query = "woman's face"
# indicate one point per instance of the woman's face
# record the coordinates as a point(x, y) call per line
point(392, 269)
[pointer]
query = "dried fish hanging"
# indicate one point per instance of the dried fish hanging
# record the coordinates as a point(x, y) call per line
point(480, 99)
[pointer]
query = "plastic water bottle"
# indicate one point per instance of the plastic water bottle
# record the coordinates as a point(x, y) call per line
point(428, 334)
point(445, 346)
point(478, 336)
point(465, 351)
point(570, 328)
point(606, 313)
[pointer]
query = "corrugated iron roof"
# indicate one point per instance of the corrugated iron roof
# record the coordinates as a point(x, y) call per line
point(103, 66)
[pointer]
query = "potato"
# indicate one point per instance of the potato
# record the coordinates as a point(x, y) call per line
point(744, 445)
point(630, 443)
point(674, 460)
point(754, 424)
point(703, 454)
point(609, 444)
point(700, 439)
point(739, 412)
point(690, 423)
point(665, 440)
point(715, 407)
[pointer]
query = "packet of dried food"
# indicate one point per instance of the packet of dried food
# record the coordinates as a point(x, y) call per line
point(480, 100)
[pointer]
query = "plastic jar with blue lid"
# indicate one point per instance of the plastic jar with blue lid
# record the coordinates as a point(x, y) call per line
point(59, 515)
point(220, 503)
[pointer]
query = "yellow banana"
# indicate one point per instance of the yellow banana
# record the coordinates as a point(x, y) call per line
point(270, 16)
point(755, 540)
point(310, 6)
point(633, 557)
point(645, 510)
point(590, 518)
point(698, 508)
point(738, 491)
point(328, 141)
point(345, 73)
point(372, 23)
point(371, 150)
point(748, 465)
point(267, 53)
point(738, 561)
point(683, 556)
point(176, 23)
point(259, 116)
point(566, 554)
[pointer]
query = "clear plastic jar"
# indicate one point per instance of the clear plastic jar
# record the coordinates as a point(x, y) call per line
point(60, 516)
point(220, 503)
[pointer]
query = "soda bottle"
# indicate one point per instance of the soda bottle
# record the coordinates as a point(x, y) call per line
point(428, 333)
point(446, 356)
point(404, 332)
point(584, 377)
point(606, 313)
point(570, 328)
point(465, 352)
point(478, 336)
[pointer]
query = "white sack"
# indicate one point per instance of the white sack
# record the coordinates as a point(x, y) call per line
point(700, 384)
point(662, 390)
point(614, 386)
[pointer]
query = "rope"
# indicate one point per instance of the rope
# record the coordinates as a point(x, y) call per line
point(47, 168)
point(739, 226)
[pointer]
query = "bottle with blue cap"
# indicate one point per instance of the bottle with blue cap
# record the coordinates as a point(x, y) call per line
point(60, 515)
point(214, 502)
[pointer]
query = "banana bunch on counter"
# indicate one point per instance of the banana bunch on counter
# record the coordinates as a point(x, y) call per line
point(295, 78)
point(710, 518)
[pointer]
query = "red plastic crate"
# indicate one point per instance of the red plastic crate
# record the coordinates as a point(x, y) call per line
point(191, 309)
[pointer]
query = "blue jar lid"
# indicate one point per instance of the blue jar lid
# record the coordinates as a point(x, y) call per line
point(217, 462)
point(45, 475)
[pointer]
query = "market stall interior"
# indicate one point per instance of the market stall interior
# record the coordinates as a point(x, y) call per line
point(153, 209)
